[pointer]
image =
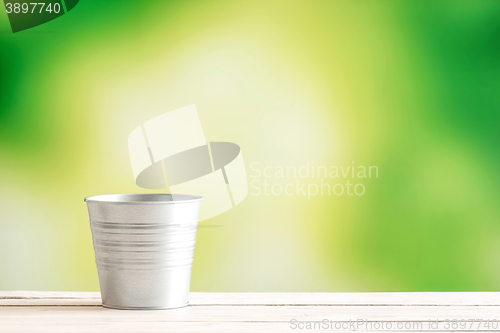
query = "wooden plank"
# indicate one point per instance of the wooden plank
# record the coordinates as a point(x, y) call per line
point(206, 327)
point(65, 314)
point(44, 298)
point(146, 327)
point(368, 299)
point(241, 312)
point(30, 298)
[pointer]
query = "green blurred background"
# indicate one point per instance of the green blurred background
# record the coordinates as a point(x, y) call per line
point(409, 86)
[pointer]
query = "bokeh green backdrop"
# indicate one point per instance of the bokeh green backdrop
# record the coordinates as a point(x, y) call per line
point(410, 86)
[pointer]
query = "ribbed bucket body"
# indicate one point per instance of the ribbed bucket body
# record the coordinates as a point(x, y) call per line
point(144, 247)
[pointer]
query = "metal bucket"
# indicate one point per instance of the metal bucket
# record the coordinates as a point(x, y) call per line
point(144, 248)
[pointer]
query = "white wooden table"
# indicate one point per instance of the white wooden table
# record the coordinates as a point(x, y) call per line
point(22, 311)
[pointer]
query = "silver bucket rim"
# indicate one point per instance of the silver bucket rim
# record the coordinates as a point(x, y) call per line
point(144, 198)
